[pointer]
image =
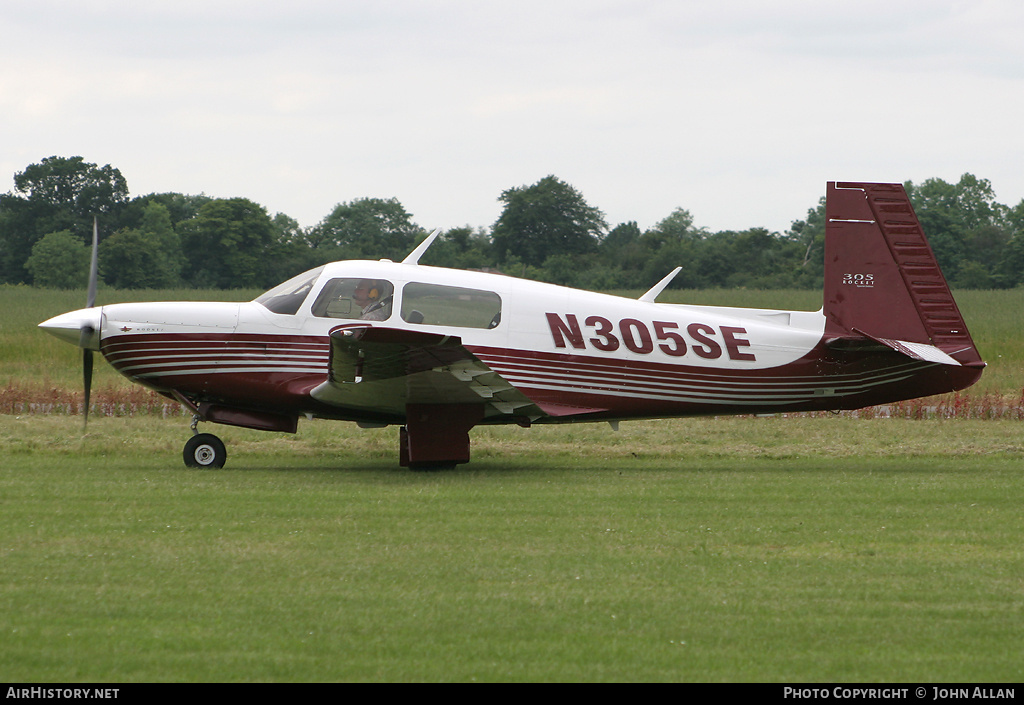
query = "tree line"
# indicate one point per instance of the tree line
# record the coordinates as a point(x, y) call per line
point(546, 231)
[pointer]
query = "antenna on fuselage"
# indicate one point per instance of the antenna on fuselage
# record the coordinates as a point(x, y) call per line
point(653, 292)
point(414, 256)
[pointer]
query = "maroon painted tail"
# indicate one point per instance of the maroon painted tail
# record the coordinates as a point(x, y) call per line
point(882, 281)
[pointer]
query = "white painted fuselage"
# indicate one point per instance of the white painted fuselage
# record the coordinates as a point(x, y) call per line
point(606, 356)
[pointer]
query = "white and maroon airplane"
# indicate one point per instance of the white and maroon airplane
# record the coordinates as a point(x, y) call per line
point(438, 351)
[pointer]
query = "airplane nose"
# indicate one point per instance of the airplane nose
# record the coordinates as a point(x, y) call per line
point(80, 327)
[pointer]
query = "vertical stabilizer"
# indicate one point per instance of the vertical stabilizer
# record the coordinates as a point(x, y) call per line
point(882, 280)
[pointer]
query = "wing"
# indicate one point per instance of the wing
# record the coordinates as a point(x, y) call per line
point(376, 371)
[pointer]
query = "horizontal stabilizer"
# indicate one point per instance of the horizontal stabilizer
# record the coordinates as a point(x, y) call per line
point(916, 351)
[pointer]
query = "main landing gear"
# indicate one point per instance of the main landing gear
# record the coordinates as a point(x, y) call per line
point(204, 450)
point(434, 437)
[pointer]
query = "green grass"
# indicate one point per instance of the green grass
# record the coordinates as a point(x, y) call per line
point(781, 549)
point(996, 321)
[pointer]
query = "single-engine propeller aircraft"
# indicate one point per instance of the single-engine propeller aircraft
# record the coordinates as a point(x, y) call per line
point(437, 351)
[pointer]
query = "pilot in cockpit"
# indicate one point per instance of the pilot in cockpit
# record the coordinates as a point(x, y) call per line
point(374, 298)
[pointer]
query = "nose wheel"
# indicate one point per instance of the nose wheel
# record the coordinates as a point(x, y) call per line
point(205, 450)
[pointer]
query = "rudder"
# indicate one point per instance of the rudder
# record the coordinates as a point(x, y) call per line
point(882, 281)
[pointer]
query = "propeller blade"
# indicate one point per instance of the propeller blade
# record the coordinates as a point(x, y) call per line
point(87, 380)
point(87, 330)
point(90, 299)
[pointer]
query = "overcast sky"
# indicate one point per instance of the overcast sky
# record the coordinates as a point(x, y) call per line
point(736, 110)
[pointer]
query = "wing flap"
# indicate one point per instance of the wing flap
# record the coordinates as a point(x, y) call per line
point(382, 370)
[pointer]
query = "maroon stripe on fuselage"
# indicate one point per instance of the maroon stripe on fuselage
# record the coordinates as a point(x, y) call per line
point(241, 368)
point(820, 380)
point(279, 371)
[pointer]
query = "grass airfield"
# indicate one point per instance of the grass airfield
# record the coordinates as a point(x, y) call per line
point(776, 549)
point(803, 549)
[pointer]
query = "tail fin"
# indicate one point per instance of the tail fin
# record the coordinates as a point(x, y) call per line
point(882, 281)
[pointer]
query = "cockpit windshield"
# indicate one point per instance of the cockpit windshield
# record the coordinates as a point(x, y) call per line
point(288, 297)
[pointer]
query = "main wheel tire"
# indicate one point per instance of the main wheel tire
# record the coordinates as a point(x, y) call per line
point(205, 451)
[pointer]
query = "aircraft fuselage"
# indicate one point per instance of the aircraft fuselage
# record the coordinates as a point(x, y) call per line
point(603, 356)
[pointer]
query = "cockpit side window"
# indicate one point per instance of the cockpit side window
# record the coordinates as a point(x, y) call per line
point(433, 304)
point(286, 298)
point(363, 299)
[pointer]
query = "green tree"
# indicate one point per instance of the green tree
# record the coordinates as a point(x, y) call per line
point(461, 248)
point(1015, 219)
point(366, 228)
point(623, 255)
point(130, 260)
point(59, 193)
point(953, 217)
point(158, 229)
point(716, 259)
point(180, 207)
point(59, 261)
point(986, 245)
point(672, 254)
point(672, 242)
point(230, 244)
point(973, 275)
point(675, 228)
point(970, 203)
point(619, 240)
point(545, 219)
point(1011, 267)
point(1011, 264)
point(146, 257)
point(74, 185)
point(809, 235)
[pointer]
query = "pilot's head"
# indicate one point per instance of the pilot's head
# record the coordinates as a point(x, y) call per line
point(367, 291)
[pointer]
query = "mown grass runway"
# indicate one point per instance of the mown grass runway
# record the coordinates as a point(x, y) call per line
point(779, 549)
point(816, 548)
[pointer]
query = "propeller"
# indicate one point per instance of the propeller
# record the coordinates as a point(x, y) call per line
point(87, 330)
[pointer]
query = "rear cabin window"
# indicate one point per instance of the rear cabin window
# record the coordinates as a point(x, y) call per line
point(435, 305)
point(363, 299)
